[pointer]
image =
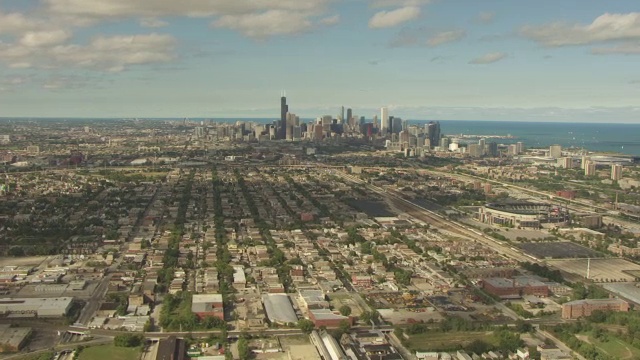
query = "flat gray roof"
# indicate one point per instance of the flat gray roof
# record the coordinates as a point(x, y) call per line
point(279, 308)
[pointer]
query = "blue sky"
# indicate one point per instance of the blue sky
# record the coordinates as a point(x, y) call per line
point(560, 60)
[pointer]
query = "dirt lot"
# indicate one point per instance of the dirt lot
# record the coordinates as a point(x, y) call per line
point(408, 316)
point(338, 300)
point(299, 348)
point(22, 261)
point(602, 270)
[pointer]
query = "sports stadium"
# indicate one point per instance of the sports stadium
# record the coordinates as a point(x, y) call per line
point(522, 214)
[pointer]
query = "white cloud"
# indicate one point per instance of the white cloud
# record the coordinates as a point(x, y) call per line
point(253, 18)
point(152, 23)
point(486, 17)
point(386, 19)
point(605, 28)
point(446, 37)
point(44, 38)
point(263, 25)
point(191, 8)
point(627, 48)
point(489, 58)
point(114, 53)
point(16, 23)
point(11, 82)
point(330, 20)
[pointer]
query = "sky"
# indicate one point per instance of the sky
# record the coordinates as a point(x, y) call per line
point(547, 60)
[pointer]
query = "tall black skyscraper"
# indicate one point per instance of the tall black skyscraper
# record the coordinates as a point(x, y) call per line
point(284, 109)
point(349, 116)
point(433, 131)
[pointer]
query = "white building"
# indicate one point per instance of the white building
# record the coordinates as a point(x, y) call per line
point(384, 120)
point(555, 151)
point(616, 172)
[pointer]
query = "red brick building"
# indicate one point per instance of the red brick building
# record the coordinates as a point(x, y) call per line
point(567, 194)
point(328, 318)
point(204, 305)
point(516, 287)
point(580, 308)
point(361, 280)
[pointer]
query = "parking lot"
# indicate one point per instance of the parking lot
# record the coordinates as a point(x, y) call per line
point(601, 270)
point(558, 250)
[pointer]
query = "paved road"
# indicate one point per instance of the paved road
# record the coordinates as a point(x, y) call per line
point(93, 303)
point(560, 344)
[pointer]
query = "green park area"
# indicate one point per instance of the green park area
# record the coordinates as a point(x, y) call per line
point(108, 352)
point(444, 341)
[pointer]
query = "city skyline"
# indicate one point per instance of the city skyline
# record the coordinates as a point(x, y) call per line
point(574, 61)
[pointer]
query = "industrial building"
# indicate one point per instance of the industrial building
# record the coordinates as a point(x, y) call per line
point(328, 318)
point(515, 288)
point(204, 305)
point(13, 339)
point(313, 299)
point(580, 308)
point(279, 309)
point(35, 307)
point(327, 346)
point(171, 348)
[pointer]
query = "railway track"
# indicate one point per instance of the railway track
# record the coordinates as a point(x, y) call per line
point(440, 221)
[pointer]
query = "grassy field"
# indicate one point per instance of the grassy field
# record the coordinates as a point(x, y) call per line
point(107, 352)
point(446, 341)
point(614, 347)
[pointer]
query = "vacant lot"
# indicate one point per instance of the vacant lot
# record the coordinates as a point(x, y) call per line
point(446, 341)
point(613, 347)
point(108, 352)
point(602, 270)
point(558, 250)
point(22, 261)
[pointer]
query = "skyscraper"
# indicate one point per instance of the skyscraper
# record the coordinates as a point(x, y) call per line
point(590, 168)
point(433, 131)
point(555, 151)
point(349, 116)
point(284, 109)
point(384, 120)
point(616, 172)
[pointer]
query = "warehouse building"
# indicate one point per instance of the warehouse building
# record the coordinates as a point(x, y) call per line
point(205, 305)
point(328, 318)
point(36, 307)
point(13, 339)
point(279, 309)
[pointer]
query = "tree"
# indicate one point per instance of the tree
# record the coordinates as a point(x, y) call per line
point(345, 326)
point(128, 340)
point(306, 325)
point(478, 347)
point(345, 310)
point(243, 348)
point(598, 316)
point(368, 316)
